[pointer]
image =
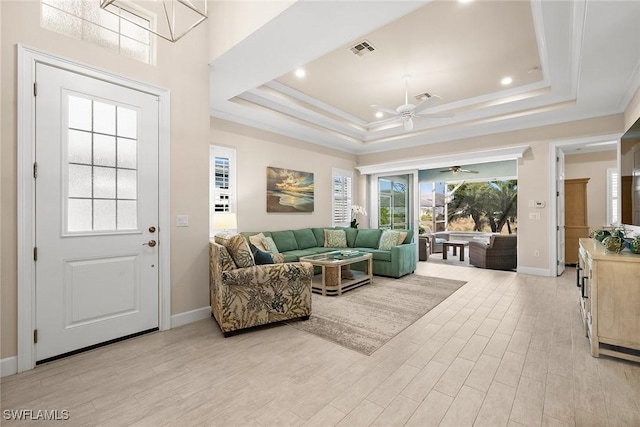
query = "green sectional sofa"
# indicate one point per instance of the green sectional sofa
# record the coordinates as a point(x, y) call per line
point(396, 262)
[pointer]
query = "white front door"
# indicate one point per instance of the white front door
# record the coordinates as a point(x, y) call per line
point(560, 210)
point(96, 211)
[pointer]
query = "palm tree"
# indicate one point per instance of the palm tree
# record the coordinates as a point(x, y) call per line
point(502, 204)
point(495, 202)
point(468, 202)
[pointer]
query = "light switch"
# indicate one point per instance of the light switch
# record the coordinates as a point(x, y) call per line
point(182, 220)
point(532, 203)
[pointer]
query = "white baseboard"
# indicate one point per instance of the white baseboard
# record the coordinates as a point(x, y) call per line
point(8, 366)
point(190, 316)
point(535, 271)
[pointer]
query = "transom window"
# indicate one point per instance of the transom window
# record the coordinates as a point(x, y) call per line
point(85, 20)
point(101, 166)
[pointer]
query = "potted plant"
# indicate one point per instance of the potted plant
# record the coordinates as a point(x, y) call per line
point(355, 211)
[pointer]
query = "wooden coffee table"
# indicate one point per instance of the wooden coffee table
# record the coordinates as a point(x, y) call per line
point(454, 245)
point(337, 276)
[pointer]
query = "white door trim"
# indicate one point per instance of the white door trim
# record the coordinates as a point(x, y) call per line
point(27, 59)
point(553, 188)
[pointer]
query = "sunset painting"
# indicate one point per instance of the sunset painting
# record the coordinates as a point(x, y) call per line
point(289, 190)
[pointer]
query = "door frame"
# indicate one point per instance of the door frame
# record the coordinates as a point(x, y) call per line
point(553, 188)
point(27, 59)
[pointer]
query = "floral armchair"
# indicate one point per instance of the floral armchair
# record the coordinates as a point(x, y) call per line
point(252, 295)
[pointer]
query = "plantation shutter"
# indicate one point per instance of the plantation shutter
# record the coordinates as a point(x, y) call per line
point(342, 200)
point(221, 192)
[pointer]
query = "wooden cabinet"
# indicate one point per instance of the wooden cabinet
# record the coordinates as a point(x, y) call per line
point(576, 225)
point(610, 300)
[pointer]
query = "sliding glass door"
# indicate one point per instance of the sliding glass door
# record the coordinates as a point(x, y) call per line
point(393, 202)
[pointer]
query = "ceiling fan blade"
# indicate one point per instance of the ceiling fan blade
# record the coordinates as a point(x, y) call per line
point(384, 109)
point(429, 102)
point(435, 115)
point(408, 125)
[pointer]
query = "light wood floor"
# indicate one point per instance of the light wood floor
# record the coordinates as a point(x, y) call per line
point(505, 349)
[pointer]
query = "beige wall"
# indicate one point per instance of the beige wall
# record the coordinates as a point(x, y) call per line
point(533, 173)
point(182, 68)
point(593, 166)
point(255, 150)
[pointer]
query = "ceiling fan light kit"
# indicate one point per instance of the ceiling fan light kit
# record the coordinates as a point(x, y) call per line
point(407, 112)
point(457, 169)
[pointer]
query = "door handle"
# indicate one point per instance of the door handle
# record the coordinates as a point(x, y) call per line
point(150, 243)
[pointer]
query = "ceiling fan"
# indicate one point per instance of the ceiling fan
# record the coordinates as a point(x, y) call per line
point(407, 112)
point(455, 169)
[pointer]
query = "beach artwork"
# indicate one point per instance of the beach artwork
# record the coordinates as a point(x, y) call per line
point(289, 190)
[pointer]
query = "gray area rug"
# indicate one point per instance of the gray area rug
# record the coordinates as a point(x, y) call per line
point(365, 318)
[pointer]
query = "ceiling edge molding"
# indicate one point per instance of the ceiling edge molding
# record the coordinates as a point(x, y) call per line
point(484, 156)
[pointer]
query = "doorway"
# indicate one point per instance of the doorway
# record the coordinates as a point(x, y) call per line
point(93, 224)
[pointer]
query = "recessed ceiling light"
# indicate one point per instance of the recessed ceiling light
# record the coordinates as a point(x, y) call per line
point(464, 1)
point(506, 81)
point(300, 73)
point(379, 114)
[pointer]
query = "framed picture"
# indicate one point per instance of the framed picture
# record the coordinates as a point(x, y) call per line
point(289, 190)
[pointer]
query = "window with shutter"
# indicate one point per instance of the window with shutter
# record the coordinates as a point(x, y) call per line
point(222, 185)
point(342, 198)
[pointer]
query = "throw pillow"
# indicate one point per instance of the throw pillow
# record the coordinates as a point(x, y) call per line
point(388, 239)
point(401, 237)
point(335, 239)
point(271, 245)
point(277, 258)
point(240, 252)
point(260, 256)
point(258, 240)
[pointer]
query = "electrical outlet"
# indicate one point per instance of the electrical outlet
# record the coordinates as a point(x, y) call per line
point(534, 215)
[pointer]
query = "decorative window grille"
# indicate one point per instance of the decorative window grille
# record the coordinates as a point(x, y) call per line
point(86, 21)
point(612, 196)
point(342, 197)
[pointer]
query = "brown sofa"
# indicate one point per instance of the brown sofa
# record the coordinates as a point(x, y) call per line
point(499, 254)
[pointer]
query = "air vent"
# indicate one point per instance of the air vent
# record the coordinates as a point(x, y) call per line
point(363, 48)
point(423, 96)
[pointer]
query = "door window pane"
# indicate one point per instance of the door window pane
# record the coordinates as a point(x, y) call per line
point(79, 113)
point(79, 181)
point(102, 176)
point(104, 150)
point(104, 118)
point(127, 184)
point(127, 153)
point(104, 183)
point(79, 147)
point(127, 122)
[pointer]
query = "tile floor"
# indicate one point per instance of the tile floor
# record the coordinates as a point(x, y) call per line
point(506, 349)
